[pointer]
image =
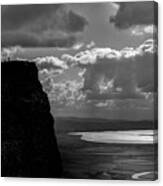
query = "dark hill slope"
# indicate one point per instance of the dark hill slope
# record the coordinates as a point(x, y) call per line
point(29, 147)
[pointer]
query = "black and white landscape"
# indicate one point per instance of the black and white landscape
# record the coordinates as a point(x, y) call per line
point(97, 64)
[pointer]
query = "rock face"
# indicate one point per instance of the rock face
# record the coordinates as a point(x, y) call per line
point(28, 142)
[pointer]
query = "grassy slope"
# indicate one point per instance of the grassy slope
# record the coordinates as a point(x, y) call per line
point(71, 124)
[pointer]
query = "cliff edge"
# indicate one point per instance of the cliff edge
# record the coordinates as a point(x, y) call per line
point(28, 142)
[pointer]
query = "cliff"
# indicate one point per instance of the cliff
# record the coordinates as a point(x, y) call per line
point(28, 142)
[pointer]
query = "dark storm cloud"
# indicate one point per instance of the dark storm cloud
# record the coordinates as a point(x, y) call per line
point(30, 40)
point(18, 38)
point(72, 22)
point(15, 16)
point(134, 13)
point(40, 25)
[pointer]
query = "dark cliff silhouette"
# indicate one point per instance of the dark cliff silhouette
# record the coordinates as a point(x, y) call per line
point(28, 142)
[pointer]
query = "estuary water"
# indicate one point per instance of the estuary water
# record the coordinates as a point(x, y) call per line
point(119, 137)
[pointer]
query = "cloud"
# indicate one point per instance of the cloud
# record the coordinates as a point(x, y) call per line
point(12, 14)
point(108, 103)
point(62, 92)
point(9, 53)
point(90, 45)
point(67, 93)
point(50, 62)
point(117, 74)
point(41, 25)
point(72, 22)
point(141, 30)
point(29, 40)
point(46, 79)
point(130, 104)
point(134, 13)
point(78, 46)
point(88, 57)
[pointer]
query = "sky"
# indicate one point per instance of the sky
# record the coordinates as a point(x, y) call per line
point(94, 59)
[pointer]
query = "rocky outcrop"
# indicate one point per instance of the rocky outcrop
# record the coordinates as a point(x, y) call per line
point(28, 142)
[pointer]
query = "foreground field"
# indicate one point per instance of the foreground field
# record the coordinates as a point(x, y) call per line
point(106, 161)
point(90, 160)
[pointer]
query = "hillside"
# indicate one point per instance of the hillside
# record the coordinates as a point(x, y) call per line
point(72, 124)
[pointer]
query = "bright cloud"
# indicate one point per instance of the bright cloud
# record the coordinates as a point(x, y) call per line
point(90, 45)
point(49, 62)
point(66, 93)
point(108, 78)
point(78, 46)
point(117, 74)
point(9, 53)
point(141, 30)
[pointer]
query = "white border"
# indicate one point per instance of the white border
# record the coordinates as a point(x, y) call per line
point(69, 182)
